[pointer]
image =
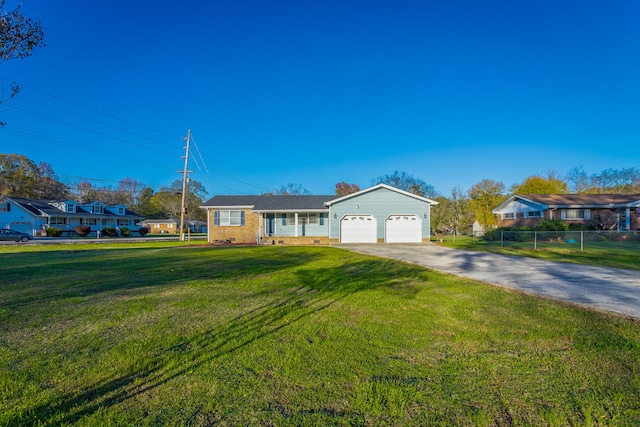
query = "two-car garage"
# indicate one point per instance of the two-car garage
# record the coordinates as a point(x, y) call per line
point(397, 229)
point(380, 214)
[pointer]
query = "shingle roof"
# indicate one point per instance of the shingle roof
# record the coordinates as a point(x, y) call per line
point(604, 200)
point(45, 207)
point(271, 203)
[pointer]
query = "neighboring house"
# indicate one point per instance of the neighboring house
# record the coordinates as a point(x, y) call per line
point(601, 211)
point(374, 215)
point(171, 225)
point(33, 216)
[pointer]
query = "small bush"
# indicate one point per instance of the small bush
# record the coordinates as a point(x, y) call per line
point(551, 225)
point(578, 227)
point(143, 231)
point(125, 232)
point(109, 231)
point(82, 230)
point(54, 232)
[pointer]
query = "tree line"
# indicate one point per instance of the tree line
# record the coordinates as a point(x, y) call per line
point(21, 177)
point(460, 209)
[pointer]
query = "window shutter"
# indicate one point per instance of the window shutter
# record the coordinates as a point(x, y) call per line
point(321, 218)
point(241, 217)
point(284, 219)
point(216, 217)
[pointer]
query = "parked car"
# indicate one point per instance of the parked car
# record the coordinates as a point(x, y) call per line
point(13, 235)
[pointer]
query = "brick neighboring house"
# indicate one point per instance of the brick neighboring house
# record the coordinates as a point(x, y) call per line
point(597, 211)
point(374, 215)
point(171, 225)
point(34, 216)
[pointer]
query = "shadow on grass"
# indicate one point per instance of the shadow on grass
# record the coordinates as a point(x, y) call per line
point(30, 279)
point(305, 292)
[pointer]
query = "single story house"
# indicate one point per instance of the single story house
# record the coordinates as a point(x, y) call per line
point(33, 216)
point(598, 211)
point(171, 225)
point(374, 215)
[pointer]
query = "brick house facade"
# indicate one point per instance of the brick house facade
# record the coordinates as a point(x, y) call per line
point(596, 211)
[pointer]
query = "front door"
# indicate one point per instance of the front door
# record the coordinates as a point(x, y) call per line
point(270, 224)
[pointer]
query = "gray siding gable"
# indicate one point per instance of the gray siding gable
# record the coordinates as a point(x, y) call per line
point(380, 201)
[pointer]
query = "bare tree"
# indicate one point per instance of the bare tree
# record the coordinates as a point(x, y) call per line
point(19, 35)
point(290, 189)
point(407, 182)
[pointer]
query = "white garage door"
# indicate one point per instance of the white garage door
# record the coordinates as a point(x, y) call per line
point(358, 229)
point(403, 229)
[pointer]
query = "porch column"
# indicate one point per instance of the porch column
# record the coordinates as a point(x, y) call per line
point(627, 219)
point(296, 224)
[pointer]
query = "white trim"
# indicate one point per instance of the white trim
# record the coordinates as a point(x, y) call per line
point(376, 187)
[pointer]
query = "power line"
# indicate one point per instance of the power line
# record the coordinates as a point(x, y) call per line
point(52, 139)
point(92, 109)
point(93, 121)
point(89, 130)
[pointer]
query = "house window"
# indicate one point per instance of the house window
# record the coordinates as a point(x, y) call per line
point(120, 210)
point(123, 223)
point(509, 215)
point(71, 208)
point(532, 214)
point(97, 209)
point(170, 225)
point(309, 218)
point(156, 225)
point(56, 220)
point(577, 214)
point(5, 207)
point(228, 218)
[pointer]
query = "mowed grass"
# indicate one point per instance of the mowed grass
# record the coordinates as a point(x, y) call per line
point(600, 254)
point(158, 334)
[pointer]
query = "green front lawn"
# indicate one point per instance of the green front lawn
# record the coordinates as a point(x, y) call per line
point(603, 255)
point(156, 334)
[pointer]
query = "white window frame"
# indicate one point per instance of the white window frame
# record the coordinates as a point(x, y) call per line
point(230, 217)
point(56, 220)
point(509, 215)
point(97, 209)
point(122, 223)
point(71, 207)
point(574, 214)
point(533, 214)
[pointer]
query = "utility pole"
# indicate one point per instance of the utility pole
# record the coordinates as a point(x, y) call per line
point(184, 173)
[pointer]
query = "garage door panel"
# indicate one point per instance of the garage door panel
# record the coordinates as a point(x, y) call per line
point(358, 229)
point(403, 229)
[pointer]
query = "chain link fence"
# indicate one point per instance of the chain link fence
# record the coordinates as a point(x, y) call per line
point(605, 241)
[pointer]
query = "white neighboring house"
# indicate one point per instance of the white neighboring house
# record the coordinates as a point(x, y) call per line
point(34, 216)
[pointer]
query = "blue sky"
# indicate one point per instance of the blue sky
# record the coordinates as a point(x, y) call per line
point(315, 93)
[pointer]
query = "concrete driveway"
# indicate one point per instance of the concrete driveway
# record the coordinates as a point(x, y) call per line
point(608, 289)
